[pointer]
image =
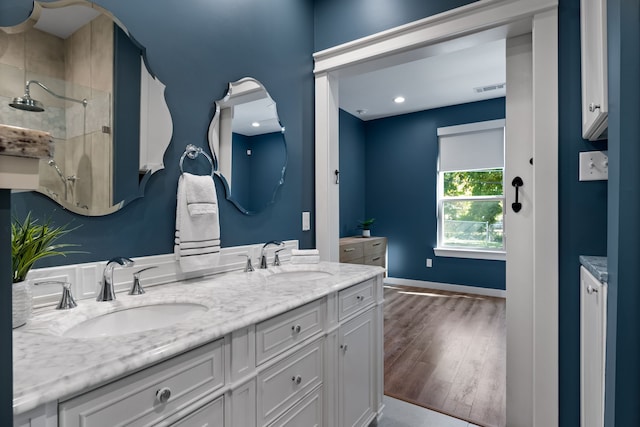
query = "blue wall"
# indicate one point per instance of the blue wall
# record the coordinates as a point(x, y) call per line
point(256, 177)
point(195, 48)
point(401, 193)
point(352, 174)
point(623, 342)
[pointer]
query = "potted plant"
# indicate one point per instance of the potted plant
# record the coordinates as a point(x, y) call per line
point(31, 241)
point(366, 226)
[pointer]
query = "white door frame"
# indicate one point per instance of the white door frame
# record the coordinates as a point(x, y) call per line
point(483, 18)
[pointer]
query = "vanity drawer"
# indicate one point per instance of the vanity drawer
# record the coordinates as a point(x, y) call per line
point(132, 401)
point(282, 332)
point(353, 299)
point(283, 384)
point(210, 415)
point(307, 413)
point(351, 251)
point(375, 246)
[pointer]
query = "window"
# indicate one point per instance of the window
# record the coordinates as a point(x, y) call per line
point(471, 190)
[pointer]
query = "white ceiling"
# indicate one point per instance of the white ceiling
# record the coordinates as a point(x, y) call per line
point(64, 21)
point(436, 81)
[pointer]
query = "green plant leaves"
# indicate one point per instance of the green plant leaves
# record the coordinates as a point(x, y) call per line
point(31, 241)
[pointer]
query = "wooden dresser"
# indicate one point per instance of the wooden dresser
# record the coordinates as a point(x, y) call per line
point(364, 250)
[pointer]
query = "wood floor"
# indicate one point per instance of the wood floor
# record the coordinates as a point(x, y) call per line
point(446, 352)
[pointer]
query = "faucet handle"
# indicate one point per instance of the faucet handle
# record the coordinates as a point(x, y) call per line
point(136, 288)
point(66, 299)
point(248, 267)
point(276, 259)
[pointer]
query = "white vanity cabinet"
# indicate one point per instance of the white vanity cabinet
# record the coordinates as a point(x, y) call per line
point(317, 364)
point(593, 38)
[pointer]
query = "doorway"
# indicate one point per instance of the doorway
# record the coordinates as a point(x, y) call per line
point(532, 327)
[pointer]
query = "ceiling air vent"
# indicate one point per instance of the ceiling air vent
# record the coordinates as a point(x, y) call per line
point(488, 88)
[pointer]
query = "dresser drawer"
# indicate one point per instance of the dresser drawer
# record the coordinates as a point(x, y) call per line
point(351, 251)
point(210, 415)
point(353, 299)
point(375, 246)
point(132, 401)
point(282, 332)
point(378, 260)
point(307, 413)
point(283, 384)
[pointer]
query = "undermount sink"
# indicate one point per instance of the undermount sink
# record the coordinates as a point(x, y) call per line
point(135, 319)
point(299, 275)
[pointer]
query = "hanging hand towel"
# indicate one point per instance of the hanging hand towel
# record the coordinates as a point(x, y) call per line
point(201, 194)
point(197, 238)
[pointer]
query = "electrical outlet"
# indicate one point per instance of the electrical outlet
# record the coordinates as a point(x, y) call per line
point(594, 166)
point(429, 263)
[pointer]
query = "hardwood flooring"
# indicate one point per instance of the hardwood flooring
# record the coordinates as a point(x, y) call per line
point(446, 352)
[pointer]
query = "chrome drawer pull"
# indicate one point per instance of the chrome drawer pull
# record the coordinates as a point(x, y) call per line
point(591, 289)
point(296, 329)
point(376, 244)
point(163, 395)
point(296, 379)
point(376, 258)
point(349, 249)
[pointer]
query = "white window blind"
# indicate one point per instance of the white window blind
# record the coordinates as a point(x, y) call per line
point(471, 147)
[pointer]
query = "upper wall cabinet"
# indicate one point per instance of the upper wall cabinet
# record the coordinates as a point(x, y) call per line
point(593, 35)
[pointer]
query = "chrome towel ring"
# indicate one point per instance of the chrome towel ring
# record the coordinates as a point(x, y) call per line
point(192, 152)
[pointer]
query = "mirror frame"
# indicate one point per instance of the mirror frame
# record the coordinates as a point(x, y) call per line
point(234, 89)
point(156, 124)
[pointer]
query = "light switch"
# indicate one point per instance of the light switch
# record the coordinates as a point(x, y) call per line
point(594, 166)
point(306, 221)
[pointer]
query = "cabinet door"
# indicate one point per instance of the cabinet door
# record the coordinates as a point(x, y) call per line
point(593, 301)
point(593, 37)
point(356, 366)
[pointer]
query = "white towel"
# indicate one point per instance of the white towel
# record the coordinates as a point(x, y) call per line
point(305, 259)
point(304, 252)
point(201, 194)
point(197, 237)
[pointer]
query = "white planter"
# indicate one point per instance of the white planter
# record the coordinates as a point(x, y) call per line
point(20, 303)
point(366, 233)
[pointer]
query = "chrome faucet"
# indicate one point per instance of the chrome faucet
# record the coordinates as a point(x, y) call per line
point(107, 292)
point(263, 255)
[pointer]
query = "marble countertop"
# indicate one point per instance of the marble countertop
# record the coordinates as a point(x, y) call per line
point(49, 366)
point(597, 265)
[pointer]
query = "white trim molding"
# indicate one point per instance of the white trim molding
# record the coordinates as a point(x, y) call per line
point(470, 253)
point(478, 22)
point(464, 289)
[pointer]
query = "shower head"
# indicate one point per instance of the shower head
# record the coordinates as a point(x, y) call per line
point(26, 103)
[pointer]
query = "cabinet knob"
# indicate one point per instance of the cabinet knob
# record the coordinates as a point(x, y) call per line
point(296, 329)
point(593, 107)
point(297, 379)
point(163, 395)
point(591, 289)
point(343, 347)
point(359, 298)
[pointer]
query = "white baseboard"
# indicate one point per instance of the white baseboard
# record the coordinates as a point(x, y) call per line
point(500, 293)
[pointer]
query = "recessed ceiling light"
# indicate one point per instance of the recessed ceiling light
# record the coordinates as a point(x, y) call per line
point(398, 99)
point(255, 124)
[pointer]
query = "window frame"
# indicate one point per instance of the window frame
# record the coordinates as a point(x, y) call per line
point(458, 251)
